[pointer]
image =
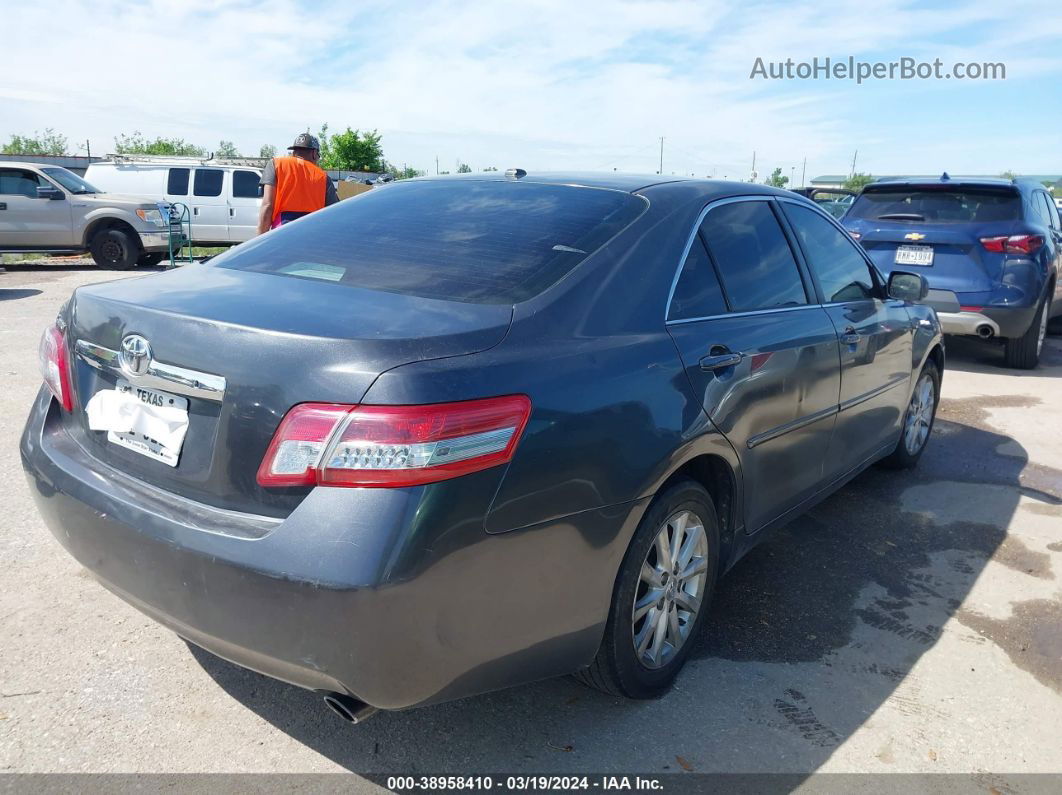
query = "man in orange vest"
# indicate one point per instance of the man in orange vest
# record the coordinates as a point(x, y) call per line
point(293, 185)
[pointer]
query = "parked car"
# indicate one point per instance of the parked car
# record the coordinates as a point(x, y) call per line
point(457, 434)
point(50, 210)
point(991, 250)
point(223, 199)
point(835, 201)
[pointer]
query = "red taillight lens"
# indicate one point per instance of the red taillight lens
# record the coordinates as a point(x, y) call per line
point(51, 354)
point(1014, 244)
point(333, 445)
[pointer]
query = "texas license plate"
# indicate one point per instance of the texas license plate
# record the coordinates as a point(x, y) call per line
point(138, 442)
point(914, 255)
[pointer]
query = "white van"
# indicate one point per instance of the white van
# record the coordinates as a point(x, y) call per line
point(222, 197)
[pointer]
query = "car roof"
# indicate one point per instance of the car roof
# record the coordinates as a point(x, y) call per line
point(630, 183)
point(18, 164)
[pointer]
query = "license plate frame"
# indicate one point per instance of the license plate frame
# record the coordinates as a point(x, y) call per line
point(919, 256)
point(138, 443)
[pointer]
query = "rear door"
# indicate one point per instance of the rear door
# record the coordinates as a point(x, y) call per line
point(875, 338)
point(26, 220)
point(759, 352)
point(243, 204)
point(210, 210)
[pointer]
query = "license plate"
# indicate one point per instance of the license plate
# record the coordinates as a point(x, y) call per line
point(138, 442)
point(914, 255)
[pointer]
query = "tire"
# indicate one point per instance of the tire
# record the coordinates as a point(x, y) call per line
point(923, 410)
point(152, 259)
point(618, 669)
point(115, 248)
point(1023, 352)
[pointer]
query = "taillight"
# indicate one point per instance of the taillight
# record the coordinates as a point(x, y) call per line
point(1013, 244)
point(336, 445)
point(51, 355)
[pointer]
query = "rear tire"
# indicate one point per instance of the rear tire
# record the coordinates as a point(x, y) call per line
point(1023, 352)
point(115, 248)
point(651, 600)
point(917, 420)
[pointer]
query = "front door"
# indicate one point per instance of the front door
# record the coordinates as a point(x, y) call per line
point(759, 353)
point(25, 220)
point(875, 338)
point(244, 205)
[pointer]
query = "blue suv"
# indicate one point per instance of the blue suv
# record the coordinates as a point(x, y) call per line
point(990, 249)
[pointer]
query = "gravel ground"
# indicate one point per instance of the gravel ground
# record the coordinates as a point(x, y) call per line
point(911, 623)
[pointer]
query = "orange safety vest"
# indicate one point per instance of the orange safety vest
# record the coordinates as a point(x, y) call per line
point(300, 186)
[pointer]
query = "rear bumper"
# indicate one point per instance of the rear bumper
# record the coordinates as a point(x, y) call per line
point(1005, 322)
point(356, 591)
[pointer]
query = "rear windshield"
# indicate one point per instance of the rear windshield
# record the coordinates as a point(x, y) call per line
point(936, 205)
point(472, 241)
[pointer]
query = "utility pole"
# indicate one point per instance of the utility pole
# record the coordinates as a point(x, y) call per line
point(804, 171)
point(88, 148)
point(854, 156)
point(752, 177)
point(792, 175)
point(661, 171)
point(436, 165)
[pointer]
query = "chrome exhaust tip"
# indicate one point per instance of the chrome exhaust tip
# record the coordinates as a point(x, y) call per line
point(348, 707)
point(984, 331)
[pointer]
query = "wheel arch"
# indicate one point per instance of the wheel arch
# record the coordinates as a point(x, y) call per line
point(109, 222)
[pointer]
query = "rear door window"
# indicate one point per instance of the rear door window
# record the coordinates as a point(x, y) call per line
point(245, 184)
point(177, 182)
point(842, 272)
point(752, 257)
point(208, 181)
point(937, 204)
point(15, 182)
point(697, 293)
point(478, 241)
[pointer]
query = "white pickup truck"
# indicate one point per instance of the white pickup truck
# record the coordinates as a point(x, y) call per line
point(51, 210)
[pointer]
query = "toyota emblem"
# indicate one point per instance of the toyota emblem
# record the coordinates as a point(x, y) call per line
point(135, 356)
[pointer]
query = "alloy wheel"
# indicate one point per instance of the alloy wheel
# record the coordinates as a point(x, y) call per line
point(919, 415)
point(670, 589)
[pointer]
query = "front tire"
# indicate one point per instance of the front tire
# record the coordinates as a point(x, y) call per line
point(1023, 353)
point(115, 248)
point(661, 596)
point(917, 420)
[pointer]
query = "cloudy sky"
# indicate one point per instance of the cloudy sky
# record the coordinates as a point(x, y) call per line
point(548, 85)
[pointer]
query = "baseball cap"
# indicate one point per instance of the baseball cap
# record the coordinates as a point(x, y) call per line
point(305, 141)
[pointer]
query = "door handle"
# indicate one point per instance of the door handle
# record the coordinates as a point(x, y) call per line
point(232, 212)
point(850, 337)
point(195, 211)
point(718, 358)
point(3, 205)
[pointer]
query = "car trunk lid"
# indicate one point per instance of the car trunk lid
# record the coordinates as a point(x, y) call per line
point(268, 343)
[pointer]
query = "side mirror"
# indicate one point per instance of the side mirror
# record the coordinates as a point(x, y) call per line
point(49, 192)
point(910, 287)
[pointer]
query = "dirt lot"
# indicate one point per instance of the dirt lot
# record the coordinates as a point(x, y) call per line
point(913, 622)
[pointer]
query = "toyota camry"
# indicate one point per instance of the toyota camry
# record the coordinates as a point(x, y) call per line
point(457, 434)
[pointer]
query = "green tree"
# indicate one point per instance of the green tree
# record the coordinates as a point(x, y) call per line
point(226, 149)
point(406, 172)
point(267, 150)
point(137, 144)
point(776, 180)
point(47, 143)
point(464, 168)
point(858, 181)
point(490, 168)
point(1007, 175)
point(351, 150)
